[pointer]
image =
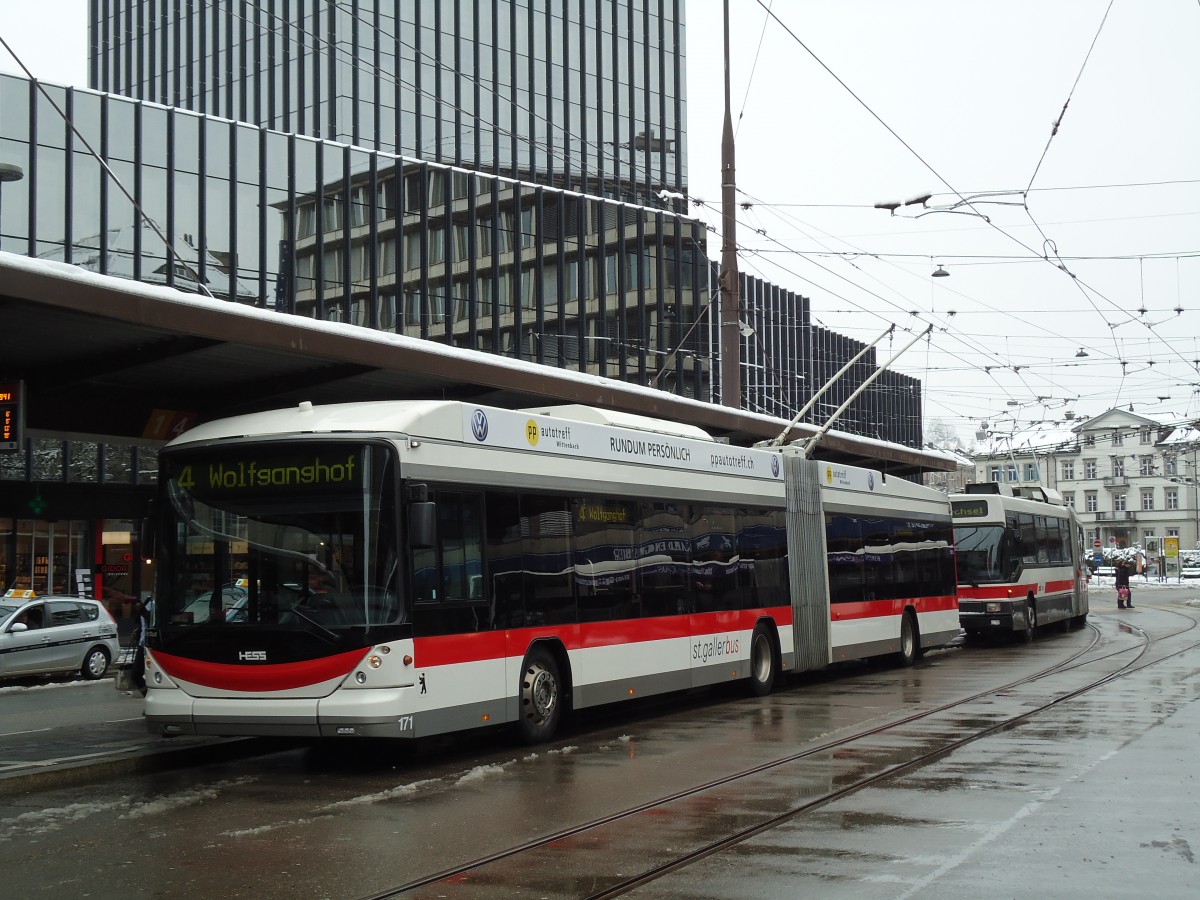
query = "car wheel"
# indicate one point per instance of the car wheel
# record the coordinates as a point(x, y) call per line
point(95, 664)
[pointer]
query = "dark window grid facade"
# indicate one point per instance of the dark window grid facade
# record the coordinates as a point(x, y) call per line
point(588, 92)
point(891, 407)
point(55, 461)
point(426, 250)
point(340, 233)
point(774, 377)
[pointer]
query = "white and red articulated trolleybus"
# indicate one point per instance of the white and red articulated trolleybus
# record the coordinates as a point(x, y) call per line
point(413, 568)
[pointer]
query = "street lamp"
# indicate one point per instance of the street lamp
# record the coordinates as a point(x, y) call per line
point(8, 172)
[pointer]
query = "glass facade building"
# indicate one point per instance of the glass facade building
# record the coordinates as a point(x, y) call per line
point(487, 176)
point(475, 260)
point(340, 233)
point(582, 94)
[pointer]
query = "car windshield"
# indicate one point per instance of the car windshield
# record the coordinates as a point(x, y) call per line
point(7, 609)
point(295, 533)
point(985, 554)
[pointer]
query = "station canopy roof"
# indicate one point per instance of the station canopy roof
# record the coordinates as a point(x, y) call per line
point(110, 357)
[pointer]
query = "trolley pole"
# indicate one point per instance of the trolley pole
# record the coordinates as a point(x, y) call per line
point(729, 280)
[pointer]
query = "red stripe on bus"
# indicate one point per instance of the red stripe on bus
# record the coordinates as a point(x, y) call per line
point(998, 592)
point(461, 648)
point(268, 677)
point(871, 609)
point(1067, 584)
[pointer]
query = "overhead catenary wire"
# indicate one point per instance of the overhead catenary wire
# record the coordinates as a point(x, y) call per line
point(1070, 94)
point(1049, 251)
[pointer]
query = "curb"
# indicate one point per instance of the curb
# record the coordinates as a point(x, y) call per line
point(36, 777)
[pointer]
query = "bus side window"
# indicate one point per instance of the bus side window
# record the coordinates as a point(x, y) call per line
point(1056, 530)
point(1029, 544)
point(452, 569)
point(844, 545)
point(1043, 538)
point(460, 540)
point(504, 577)
point(1010, 554)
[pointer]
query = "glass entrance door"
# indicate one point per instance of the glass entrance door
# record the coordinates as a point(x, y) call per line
point(47, 555)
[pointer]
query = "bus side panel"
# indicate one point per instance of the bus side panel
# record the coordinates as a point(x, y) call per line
point(807, 564)
point(460, 683)
point(630, 658)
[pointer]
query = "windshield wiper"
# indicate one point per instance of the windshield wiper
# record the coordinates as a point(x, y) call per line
point(332, 636)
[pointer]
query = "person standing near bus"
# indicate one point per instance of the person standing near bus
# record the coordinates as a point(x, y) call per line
point(142, 622)
point(1124, 594)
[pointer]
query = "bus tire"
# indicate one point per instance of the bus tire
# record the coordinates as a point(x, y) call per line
point(764, 662)
point(1026, 636)
point(540, 697)
point(910, 640)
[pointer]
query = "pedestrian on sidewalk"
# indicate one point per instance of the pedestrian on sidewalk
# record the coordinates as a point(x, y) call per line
point(141, 621)
point(1124, 595)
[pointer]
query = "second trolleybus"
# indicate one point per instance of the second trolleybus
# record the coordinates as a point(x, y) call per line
point(1020, 561)
point(406, 569)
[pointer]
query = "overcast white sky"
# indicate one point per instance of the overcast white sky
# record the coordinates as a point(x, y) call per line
point(972, 88)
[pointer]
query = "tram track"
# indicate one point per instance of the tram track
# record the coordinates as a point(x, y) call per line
point(470, 871)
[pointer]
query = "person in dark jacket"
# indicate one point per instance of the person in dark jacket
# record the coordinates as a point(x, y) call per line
point(142, 620)
point(1124, 600)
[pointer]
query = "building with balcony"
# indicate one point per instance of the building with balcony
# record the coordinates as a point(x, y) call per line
point(1132, 480)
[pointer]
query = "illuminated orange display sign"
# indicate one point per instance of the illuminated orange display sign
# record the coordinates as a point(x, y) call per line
point(12, 415)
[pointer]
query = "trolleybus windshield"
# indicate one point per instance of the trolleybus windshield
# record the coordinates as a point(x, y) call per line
point(297, 533)
point(986, 554)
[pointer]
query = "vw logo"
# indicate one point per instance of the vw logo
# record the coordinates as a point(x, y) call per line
point(775, 466)
point(870, 481)
point(479, 425)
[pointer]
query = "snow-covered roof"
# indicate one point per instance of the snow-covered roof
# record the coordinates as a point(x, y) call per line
point(1037, 437)
point(1182, 436)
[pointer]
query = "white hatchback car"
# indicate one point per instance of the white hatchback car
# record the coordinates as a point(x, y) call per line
point(56, 634)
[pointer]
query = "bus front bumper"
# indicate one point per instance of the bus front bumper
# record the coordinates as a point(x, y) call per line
point(977, 618)
point(343, 714)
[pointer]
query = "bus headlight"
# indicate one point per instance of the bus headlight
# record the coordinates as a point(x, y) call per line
point(374, 661)
point(360, 677)
point(993, 607)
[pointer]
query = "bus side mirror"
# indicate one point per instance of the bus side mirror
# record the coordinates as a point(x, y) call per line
point(148, 532)
point(421, 518)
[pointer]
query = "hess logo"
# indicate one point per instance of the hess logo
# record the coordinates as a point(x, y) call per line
point(252, 656)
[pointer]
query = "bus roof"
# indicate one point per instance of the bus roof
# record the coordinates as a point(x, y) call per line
point(571, 430)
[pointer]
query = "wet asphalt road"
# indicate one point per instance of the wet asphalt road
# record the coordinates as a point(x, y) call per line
point(1095, 796)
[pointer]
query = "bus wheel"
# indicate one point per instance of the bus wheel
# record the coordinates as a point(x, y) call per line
point(909, 641)
point(540, 698)
point(764, 664)
point(1026, 636)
